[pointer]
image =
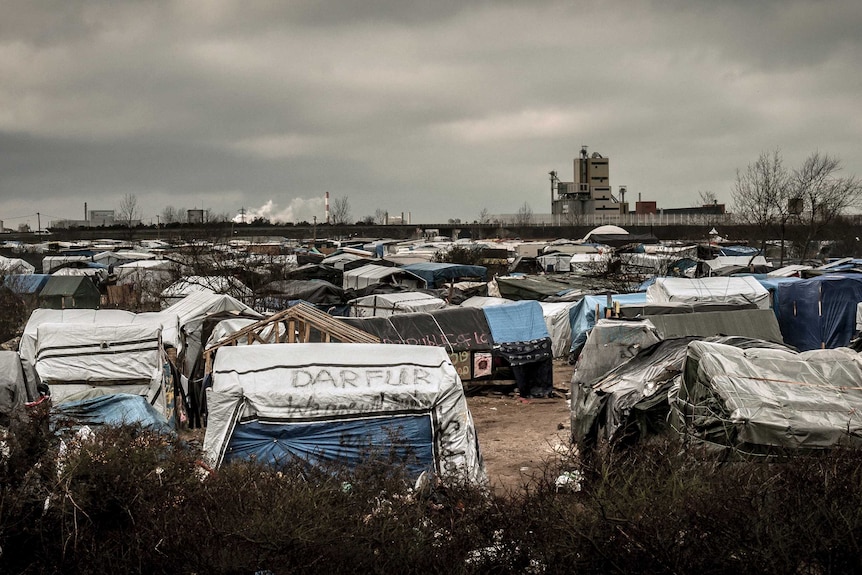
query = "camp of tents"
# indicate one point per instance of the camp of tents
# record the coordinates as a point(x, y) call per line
point(709, 347)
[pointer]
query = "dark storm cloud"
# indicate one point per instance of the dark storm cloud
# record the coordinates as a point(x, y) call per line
point(439, 108)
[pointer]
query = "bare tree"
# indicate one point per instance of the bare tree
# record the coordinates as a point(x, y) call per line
point(129, 211)
point(171, 215)
point(524, 216)
point(705, 198)
point(820, 196)
point(339, 214)
point(380, 216)
point(761, 193)
point(484, 216)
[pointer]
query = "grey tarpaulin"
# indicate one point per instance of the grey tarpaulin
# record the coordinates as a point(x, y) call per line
point(759, 400)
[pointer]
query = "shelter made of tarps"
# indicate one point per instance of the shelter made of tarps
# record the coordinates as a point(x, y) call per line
point(752, 323)
point(69, 292)
point(463, 332)
point(108, 317)
point(26, 284)
point(479, 301)
point(371, 274)
point(276, 295)
point(591, 308)
point(316, 272)
point(555, 262)
point(74, 358)
point(763, 401)
point(278, 402)
point(712, 289)
point(734, 261)
point(610, 343)
point(18, 382)
point(632, 400)
point(819, 312)
point(437, 274)
point(205, 284)
point(384, 305)
point(530, 287)
point(15, 266)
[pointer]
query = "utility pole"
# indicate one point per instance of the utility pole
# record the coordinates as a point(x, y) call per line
point(39, 224)
point(242, 215)
point(158, 229)
point(314, 231)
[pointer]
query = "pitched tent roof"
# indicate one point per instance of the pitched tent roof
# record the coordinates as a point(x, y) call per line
point(382, 305)
point(26, 284)
point(371, 274)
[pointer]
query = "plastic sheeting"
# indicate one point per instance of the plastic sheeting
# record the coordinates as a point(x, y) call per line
point(436, 274)
point(284, 400)
point(610, 343)
point(113, 409)
point(518, 321)
point(384, 305)
point(371, 274)
point(761, 400)
point(17, 385)
point(583, 316)
point(714, 289)
point(556, 316)
point(74, 357)
point(819, 312)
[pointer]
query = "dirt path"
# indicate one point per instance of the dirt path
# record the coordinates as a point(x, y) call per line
point(517, 439)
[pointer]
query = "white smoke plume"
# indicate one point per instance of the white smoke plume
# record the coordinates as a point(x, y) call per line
point(298, 210)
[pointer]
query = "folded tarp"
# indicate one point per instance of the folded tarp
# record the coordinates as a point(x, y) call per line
point(819, 312)
point(517, 321)
point(763, 400)
point(384, 305)
point(714, 289)
point(583, 316)
point(437, 274)
point(283, 401)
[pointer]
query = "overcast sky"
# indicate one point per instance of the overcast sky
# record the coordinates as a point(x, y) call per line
point(436, 107)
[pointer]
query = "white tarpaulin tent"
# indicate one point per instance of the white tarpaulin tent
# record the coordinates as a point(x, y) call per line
point(728, 261)
point(280, 401)
point(98, 317)
point(74, 358)
point(384, 305)
point(12, 266)
point(713, 290)
point(371, 274)
point(205, 284)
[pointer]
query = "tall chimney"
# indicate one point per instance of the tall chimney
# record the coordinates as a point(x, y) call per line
point(326, 207)
point(85, 212)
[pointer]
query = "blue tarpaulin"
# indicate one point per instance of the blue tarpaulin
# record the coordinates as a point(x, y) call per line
point(407, 438)
point(24, 284)
point(516, 321)
point(819, 312)
point(771, 285)
point(114, 409)
point(582, 317)
point(737, 251)
point(437, 274)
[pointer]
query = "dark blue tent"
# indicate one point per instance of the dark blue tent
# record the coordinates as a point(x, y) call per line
point(819, 312)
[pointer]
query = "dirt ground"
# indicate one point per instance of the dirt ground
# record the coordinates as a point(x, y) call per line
point(517, 439)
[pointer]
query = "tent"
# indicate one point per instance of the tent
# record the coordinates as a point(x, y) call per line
point(437, 274)
point(101, 408)
point(752, 323)
point(556, 315)
point(206, 284)
point(18, 382)
point(69, 292)
point(371, 274)
point(74, 358)
point(819, 312)
point(714, 289)
point(383, 305)
point(762, 401)
point(283, 401)
point(15, 266)
point(276, 295)
point(555, 262)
